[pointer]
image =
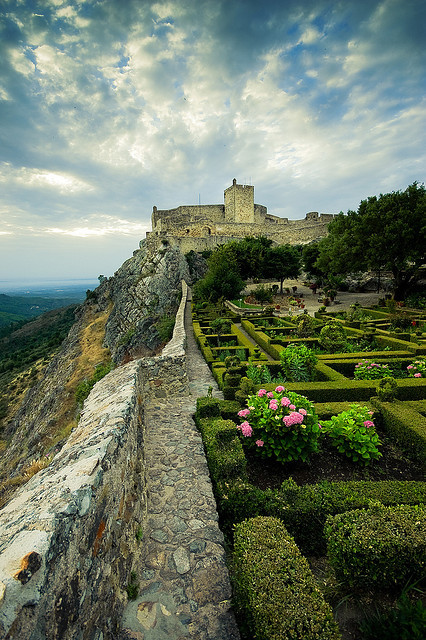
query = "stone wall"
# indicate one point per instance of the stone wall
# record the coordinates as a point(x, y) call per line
point(203, 227)
point(69, 537)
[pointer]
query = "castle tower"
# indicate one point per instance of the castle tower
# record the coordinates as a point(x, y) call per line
point(239, 203)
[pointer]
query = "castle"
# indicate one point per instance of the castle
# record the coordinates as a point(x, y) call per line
point(200, 227)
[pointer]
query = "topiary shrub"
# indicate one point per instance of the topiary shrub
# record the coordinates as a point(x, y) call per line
point(380, 546)
point(276, 592)
point(332, 336)
point(387, 389)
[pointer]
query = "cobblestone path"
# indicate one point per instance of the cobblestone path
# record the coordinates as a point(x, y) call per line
point(184, 583)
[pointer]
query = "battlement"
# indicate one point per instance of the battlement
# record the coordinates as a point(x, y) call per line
point(199, 227)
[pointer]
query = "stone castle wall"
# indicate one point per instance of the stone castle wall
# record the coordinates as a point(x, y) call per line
point(201, 227)
point(69, 537)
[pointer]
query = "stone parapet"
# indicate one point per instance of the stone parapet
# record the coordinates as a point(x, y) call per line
point(69, 536)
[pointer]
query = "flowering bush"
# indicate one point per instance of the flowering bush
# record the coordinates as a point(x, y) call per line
point(368, 370)
point(280, 423)
point(354, 434)
point(417, 369)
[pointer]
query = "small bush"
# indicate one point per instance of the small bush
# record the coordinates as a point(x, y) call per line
point(332, 336)
point(275, 589)
point(353, 433)
point(381, 546)
point(369, 370)
point(85, 386)
point(165, 326)
point(407, 621)
point(417, 369)
point(298, 363)
point(387, 389)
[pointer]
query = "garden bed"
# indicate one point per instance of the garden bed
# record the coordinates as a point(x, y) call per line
point(334, 467)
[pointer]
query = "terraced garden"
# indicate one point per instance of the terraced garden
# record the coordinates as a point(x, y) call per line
point(317, 456)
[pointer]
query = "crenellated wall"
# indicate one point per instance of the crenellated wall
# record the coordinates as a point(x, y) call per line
point(201, 227)
point(68, 539)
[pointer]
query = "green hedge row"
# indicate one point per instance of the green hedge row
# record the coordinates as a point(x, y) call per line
point(305, 509)
point(381, 546)
point(405, 424)
point(262, 339)
point(275, 589)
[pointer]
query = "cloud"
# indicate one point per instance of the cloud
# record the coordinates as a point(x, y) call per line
point(107, 108)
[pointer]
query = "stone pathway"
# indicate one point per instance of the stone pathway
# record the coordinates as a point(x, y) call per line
point(184, 583)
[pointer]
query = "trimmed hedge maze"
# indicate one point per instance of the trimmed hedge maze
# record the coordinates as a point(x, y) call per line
point(372, 532)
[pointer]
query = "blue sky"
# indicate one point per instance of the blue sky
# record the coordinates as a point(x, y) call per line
point(108, 107)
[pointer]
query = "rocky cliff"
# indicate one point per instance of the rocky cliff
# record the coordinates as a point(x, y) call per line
point(120, 320)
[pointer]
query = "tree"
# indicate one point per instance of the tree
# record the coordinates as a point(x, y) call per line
point(387, 232)
point(310, 254)
point(282, 262)
point(250, 254)
point(222, 279)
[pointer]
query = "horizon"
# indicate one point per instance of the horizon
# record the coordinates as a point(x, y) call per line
point(111, 108)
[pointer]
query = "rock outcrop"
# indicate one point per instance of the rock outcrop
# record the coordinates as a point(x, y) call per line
point(119, 320)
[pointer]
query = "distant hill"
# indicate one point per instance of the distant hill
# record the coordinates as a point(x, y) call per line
point(22, 308)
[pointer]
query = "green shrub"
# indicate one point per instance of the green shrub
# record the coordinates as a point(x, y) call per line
point(165, 326)
point(280, 424)
point(353, 433)
point(332, 336)
point(387, 389)
point(407, 621)
point(304, 510)
point(275, 589)
point(208, 407)
point(405, 425)
point(381, 546)
point(305, 326)
point(369, 370)
point(298, 363)
point(224, 453)
point(85, 386)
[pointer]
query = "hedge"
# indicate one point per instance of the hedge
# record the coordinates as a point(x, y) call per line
point(224, 451)
point(275, 589)
point(304, 509)
point(381, 546)
point(405, 424)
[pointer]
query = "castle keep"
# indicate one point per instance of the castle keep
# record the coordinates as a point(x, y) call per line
point(200, 227)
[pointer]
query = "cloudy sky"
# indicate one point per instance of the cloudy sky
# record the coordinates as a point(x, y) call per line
point(108, 107)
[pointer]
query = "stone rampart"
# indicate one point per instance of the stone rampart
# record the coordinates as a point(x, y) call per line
point(69, 537)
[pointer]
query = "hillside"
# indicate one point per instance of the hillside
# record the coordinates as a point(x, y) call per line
point(21, 308)
point(124, 318)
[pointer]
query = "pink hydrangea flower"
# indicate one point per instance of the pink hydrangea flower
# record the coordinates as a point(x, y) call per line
point(303, 412)
point(261, 393)
point(285, 402)
point(291, 407)
point(417, 375)
point(279, 389)
point(246, 429)
point(273, 405)
point(260, 443)
point(270, 394)
point(410, 366)
point(244, 413)
point(368, 424)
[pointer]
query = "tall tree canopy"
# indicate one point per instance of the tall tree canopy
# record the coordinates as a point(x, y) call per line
point(282, 262)
point(386, 232)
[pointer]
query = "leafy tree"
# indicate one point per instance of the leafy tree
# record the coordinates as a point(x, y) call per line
point(222, 279)
point(310, 254)
point(251, 254)
point(386, 232)
point(282, 262)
